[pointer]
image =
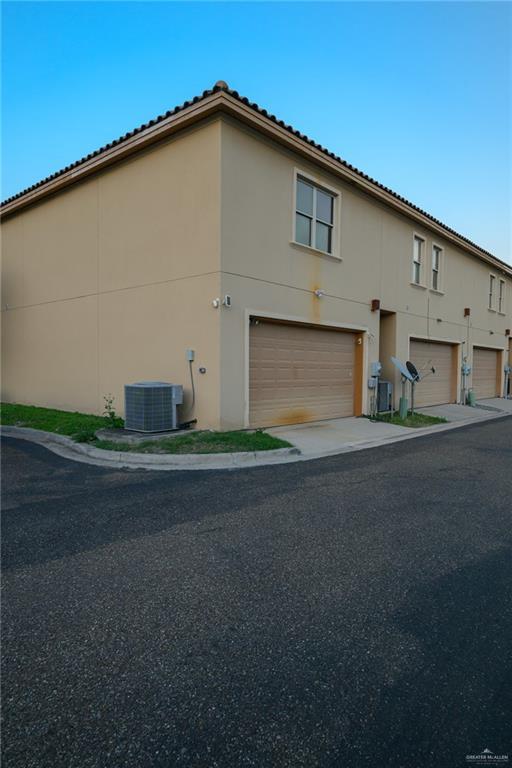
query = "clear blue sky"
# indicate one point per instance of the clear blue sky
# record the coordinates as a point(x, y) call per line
point(418, 95)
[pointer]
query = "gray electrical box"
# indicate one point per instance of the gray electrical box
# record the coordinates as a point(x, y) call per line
point(151, 406)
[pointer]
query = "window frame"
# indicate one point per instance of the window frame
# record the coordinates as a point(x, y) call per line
point(491, 292)
point(436, 248)
point(417, 236)
point(317, 183)
point(502, 294)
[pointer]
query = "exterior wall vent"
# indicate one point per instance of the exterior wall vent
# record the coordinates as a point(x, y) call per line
point(151, 406)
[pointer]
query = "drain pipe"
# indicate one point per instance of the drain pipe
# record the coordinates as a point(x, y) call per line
point(465, 369)
point(190, 358)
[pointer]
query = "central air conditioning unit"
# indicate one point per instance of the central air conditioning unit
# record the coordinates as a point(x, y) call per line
point(385, 397)
point(151, 406)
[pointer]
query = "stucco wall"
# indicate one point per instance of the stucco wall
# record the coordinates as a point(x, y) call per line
point(111, 280)
point(265, 272)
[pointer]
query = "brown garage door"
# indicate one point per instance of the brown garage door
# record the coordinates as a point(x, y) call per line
point(299, 373)
point(485, 368)
point(439, 387)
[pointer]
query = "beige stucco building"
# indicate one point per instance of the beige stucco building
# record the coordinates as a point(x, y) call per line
point(219, 229)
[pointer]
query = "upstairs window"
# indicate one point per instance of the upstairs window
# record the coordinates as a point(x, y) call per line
point(436, 267)
point(501, 297)
point(417, 259)
point(314, 216)
point(492, 291)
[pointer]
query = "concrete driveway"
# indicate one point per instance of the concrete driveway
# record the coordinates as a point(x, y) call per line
point(497, 402)
point(456, 413)
point(324, 438)
point(319, 438)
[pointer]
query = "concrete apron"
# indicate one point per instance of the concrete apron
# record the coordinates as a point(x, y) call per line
point(323, 438)
point(310, 441)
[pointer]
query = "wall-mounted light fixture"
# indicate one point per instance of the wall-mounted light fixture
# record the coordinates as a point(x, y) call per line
point(226, 302)
point(375, 305)
point(467, 311)
point(319, 293)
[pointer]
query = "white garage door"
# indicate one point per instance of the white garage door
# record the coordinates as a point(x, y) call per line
point(485, 365)
point(436, 388)
point(299, 373)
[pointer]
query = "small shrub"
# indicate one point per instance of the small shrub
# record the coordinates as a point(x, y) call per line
point(109, 411)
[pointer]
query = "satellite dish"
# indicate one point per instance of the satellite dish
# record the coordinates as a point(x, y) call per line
point(413, 371)
point(403, 370)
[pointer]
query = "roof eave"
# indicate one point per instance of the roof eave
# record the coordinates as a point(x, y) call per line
point(319, 156)
point(222, 101)
point(119, 151)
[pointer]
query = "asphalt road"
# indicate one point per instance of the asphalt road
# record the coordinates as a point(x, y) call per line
point(348, 612)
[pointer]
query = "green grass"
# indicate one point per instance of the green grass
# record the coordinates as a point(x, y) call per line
point(201, 442)
point(79, 426)
point(412, 419)
point(82, 427)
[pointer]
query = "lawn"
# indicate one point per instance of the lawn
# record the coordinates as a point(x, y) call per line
point(201, 442)
point(412, 419)
point(79, 426)
point(82, 427)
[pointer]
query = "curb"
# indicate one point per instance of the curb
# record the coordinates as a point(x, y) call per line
point(68, 449)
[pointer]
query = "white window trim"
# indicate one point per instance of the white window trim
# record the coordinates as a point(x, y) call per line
point(502, 308)
point(421, 284)
point(491, 298)
point(336, 218)
point(440, 269)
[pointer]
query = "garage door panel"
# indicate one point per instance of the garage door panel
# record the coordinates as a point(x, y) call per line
point(485, 367)
point(298, 373)
point(435, 388)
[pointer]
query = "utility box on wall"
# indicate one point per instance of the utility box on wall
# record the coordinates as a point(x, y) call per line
point(385, 397)
point(151, 406)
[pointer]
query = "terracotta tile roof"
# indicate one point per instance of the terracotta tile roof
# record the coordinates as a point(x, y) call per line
point(116, 142)
point(221, 86)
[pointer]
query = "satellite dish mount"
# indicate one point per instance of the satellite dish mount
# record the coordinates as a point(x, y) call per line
point(414, 378)
point(405, 376)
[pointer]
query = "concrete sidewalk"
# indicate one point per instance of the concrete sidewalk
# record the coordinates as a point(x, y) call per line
point(323, 438)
